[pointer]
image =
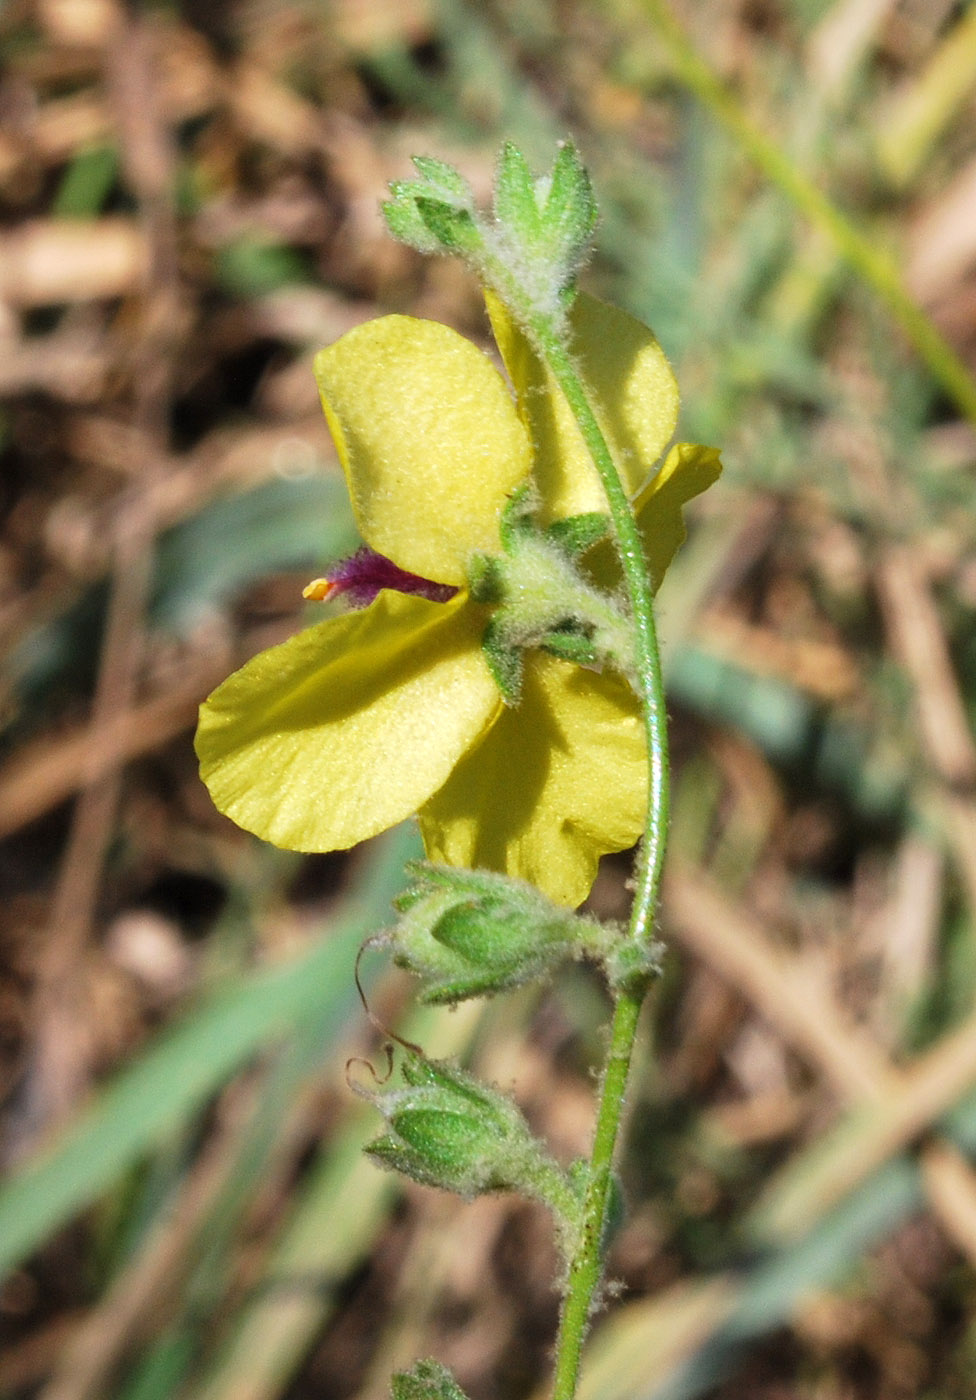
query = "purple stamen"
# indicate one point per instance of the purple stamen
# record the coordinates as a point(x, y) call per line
point(361, 577)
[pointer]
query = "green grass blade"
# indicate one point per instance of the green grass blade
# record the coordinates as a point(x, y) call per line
point(333, 1224)
point(868, 259)
point(189, 1062)
point(635, 1356)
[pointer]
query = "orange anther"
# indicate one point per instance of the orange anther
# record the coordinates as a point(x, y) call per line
point(318, 590)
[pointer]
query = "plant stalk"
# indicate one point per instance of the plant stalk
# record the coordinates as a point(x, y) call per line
point(586, 1265)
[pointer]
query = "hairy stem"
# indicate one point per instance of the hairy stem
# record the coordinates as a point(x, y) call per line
point(586, 1265)
point(650, 682)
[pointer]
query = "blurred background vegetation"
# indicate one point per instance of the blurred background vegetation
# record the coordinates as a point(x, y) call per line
point(189, 199)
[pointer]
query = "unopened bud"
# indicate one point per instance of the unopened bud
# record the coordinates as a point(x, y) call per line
point(446, 1129)
point(470, 933)
point(435, 213)
point(426, 1380)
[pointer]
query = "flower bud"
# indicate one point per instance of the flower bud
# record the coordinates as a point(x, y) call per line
point(545, 225)
point(436, 213)
point(445, 1129)
point(426, 1380)
point(470, 933)
point(531, 246)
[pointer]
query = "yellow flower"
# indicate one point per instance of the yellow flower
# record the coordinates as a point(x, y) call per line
point(372, 716)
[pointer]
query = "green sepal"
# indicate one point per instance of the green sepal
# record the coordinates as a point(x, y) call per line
point(442, 180)
point(566, 296)
point(412, 214)
point(468, 928)
point(407, 898)
point(515, 204)
point(426, 1380)
point(504, 660)
point(570, 214)
point(575, 534)
point(516, 520)
point(455, 229)
point(428, 875)
point(570, 643)
point(486, 582)
point(468, 933)
point(405, 224)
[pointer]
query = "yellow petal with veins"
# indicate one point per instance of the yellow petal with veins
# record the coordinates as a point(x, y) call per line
point(348, 727)
point(687, 470)
point(553, 785)
point(632, 390)
point(429, 439)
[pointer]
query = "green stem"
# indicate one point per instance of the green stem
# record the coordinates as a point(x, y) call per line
point(586, 1265)
point(552, 1187)
point(871, 262)
point(650, 682)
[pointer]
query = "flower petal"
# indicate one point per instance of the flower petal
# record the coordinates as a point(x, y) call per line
point(634, 390)
point(348, 727)
point(688, 470)
point(553, 785)
point(429, 440)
